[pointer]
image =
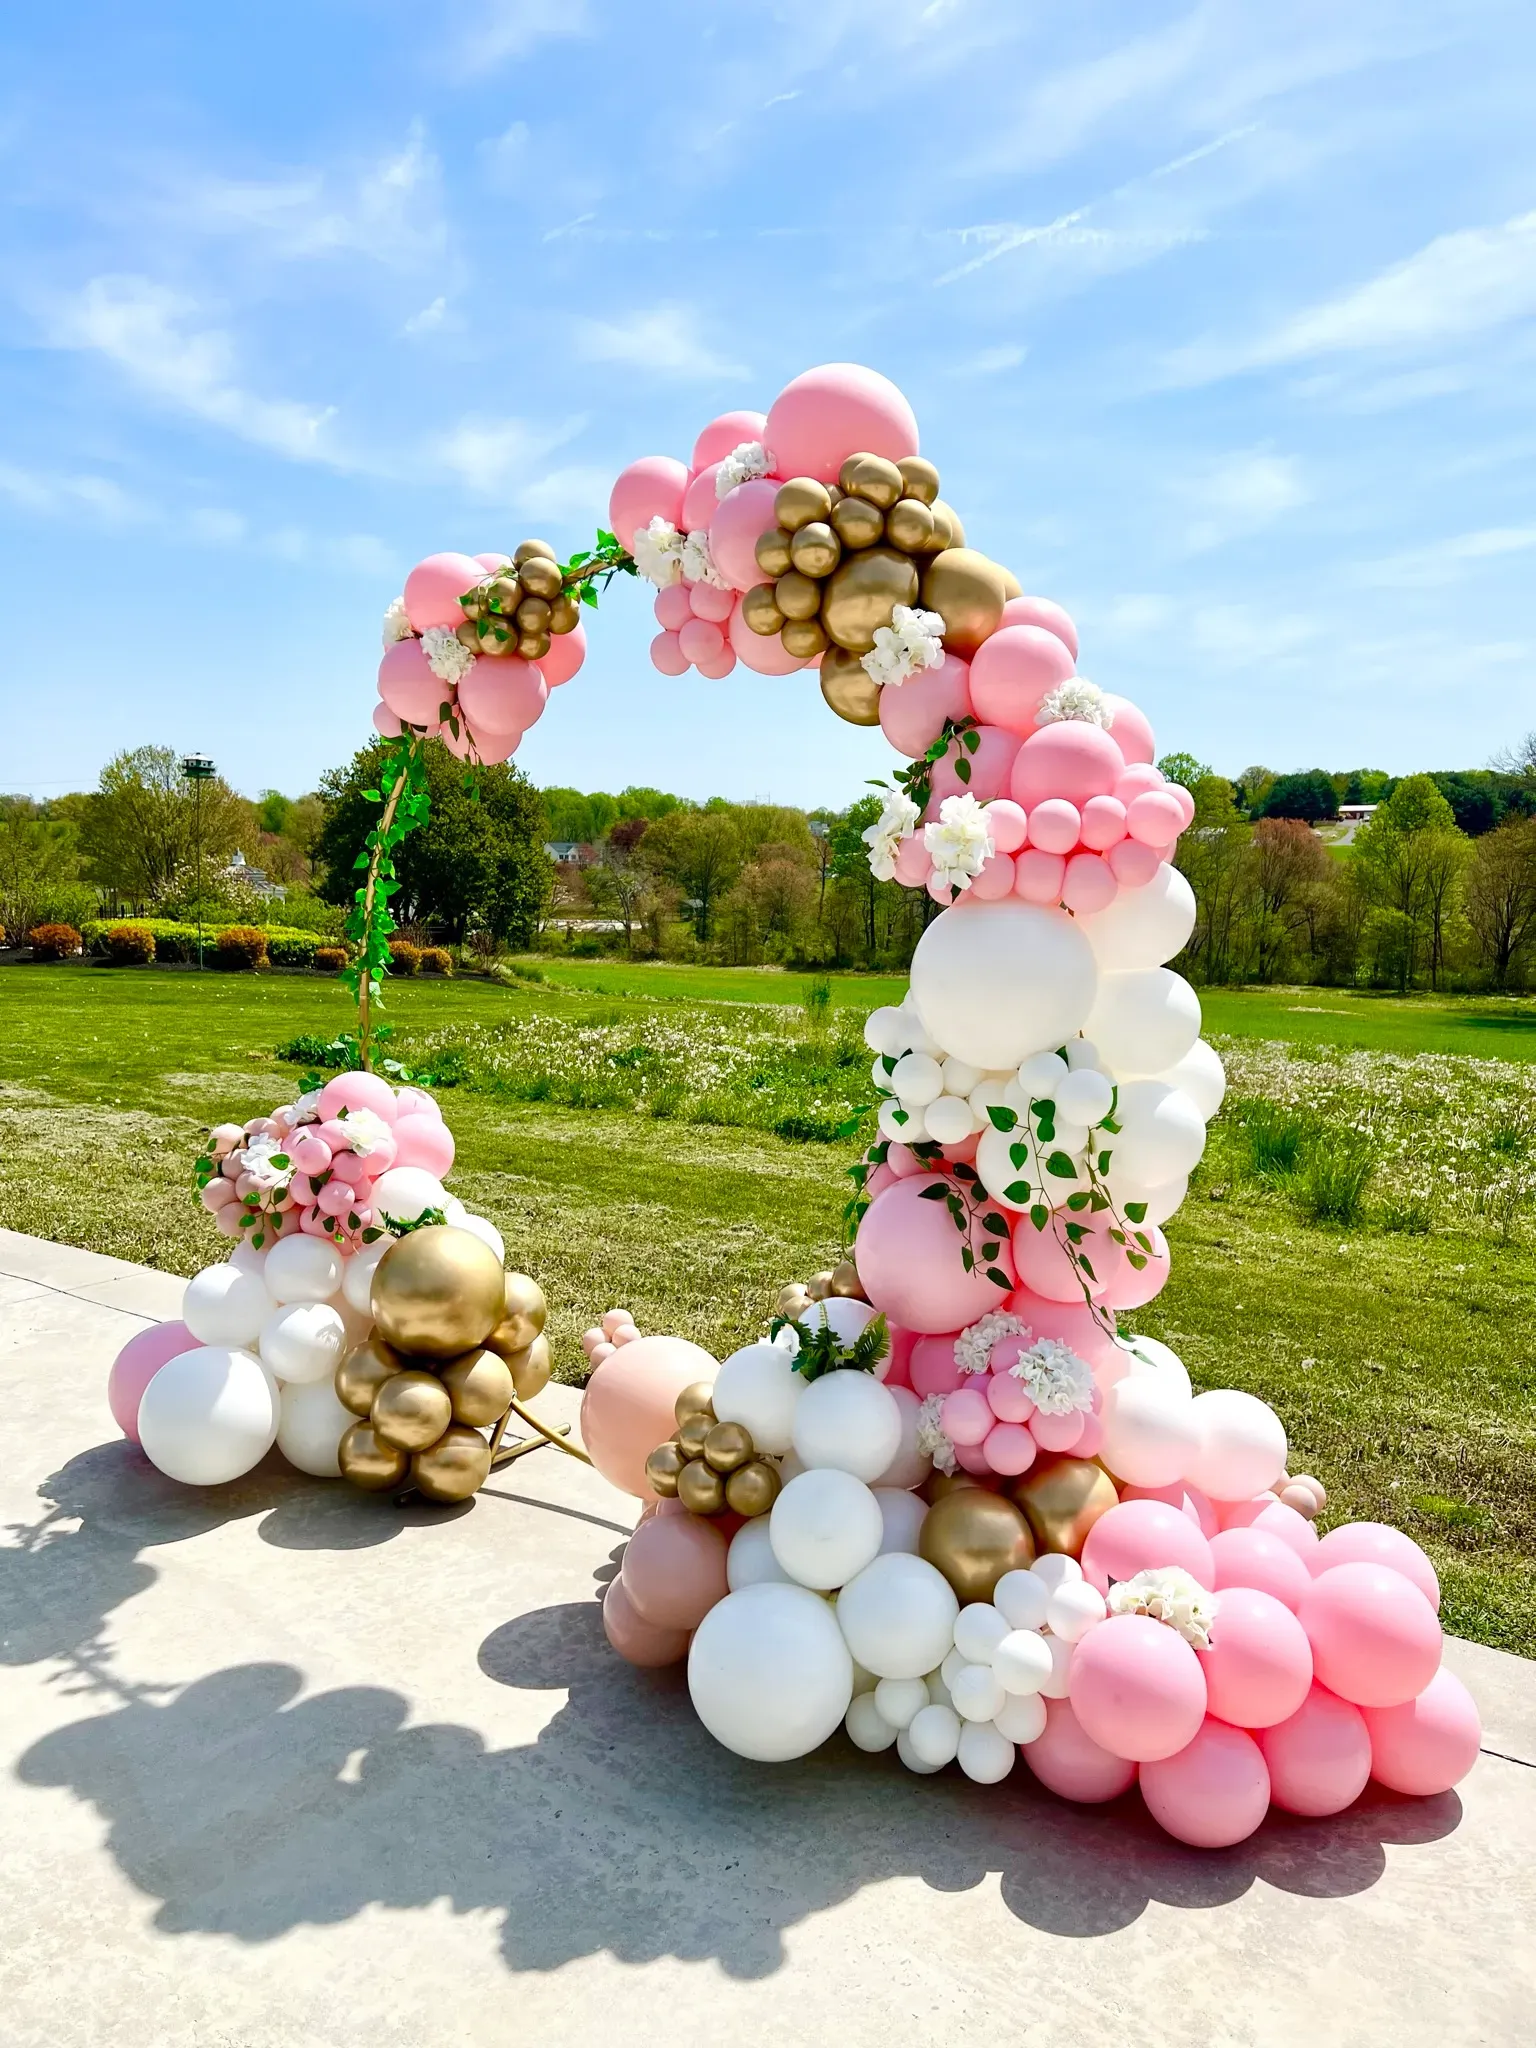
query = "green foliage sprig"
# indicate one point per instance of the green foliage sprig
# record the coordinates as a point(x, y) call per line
point(916, 779)
point(402, 789)
point(822, 1350)
point(591, 570)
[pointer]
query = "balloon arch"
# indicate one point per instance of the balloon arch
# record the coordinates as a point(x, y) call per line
point(941, 1501)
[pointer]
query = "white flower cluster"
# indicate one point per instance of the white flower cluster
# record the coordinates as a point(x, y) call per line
point(747, 461)
point(256, 1160)
point(931, 1440)
point(895, 823)
point(397, 625)
point(1059, 1382)
point(306, 1110)
point(913, 640)
point(973, 1347)
point(1171, 1596)
point(960, 843)
point(366, 1131)
point(447, 656)
point(658, 552)
point(698, 563)
point(1075, 698)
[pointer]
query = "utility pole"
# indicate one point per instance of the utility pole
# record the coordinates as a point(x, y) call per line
point(198, 769)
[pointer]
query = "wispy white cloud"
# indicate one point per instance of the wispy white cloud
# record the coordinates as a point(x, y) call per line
point(992, 362)
point(667, 341)
point(61, 496)
point(497, 458)
point(575, 492)
point(504, 157)
point(1238, 494)
point(1448, 560)
point(496, 30)
point(428, 318)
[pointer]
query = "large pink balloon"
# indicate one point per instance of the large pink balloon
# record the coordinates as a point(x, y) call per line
point(1319, 1758)
point(1129, 1286)
point(1211, 1794)
point(491, 745)
point(1375, 1639)
point(1137, 1687)
point(503, 693)
point(136, 1365)
point(1378, 1543)
point(1068, 1762)
point(651, 488)
point(1258, 1669)
point(1191, 1503)
point(700, 500)
point(1013, 671)
point(1145, 1535)
point(434, 587)
point(1042, 611)
point(1045, 1263)
point(626, 1410)
point(1253, 1557)
point(357, 1091)
point(1427, 1744)
point(567, 651)
point(727, 433)
point(1130, 729)
point(424, 1141)
point(674, 1569)
point(912, 717)
point(741, 517)
point(990, 765)
point(1070, 759)
point(1275, 1519)
point(639, 1641)
point(836, 410)
point(766, 654)
point(934, 1368)
point(408, 686)
point(909, 1259)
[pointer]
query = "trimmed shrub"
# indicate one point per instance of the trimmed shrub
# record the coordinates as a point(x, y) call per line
point(292, 949)
point(54, 941)
point(130, 945)
point(330, 959)
point(404, 958)
point(436, 960)
point(242, 947)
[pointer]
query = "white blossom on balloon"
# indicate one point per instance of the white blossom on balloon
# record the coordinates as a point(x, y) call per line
point(1075, 698)
point(1172, 1596)
point(658, 552)
point(931, 1440)
point(913, 640)
point(257, 1160)
point(895, 823)
point(960, 844)
point(698, 563)
point(1059, 1382)
point(306, 1110)
point(973, 1347)
point(397, 624)
point(366, 1131)
point(447, 656)
point(747, 461)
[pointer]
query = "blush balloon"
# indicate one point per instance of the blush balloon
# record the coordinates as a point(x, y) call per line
point(674, 1570)
point(434, 587)
point(494, 561)
point(825, 415)
point(1375, 1639)
point(636, 1640)
point(1252, 1557)
point(1130, 728)
point(651, 488)
point(567, 651)
point(740, 518)
point(1132, 864)
point(715, 667)
point(424, 1141)
point(907, 1260)
point(991, 766)
point(1320, 1757)
point(1275, 1519)
point(701, 641)
point(1378, 1543)
point(912, 717)
point(1103, 823)
point(355, 1091)
point(1213, 1793)
point(136, 1365)
point(668, 656)
point(1054, 825)
point(503, 693)
point(1192, 1503)
point(727, 433)
point(933, 1368)
point(386, 723)
point(1155, 818)
point(1044, 1264)
point(1069, 759)
point(1145, 1535)
point(1038, 877)
point(700, 500)
point(1068, 1762)
point(709, 601)
point(1137, 1688)
point(914, 863)
point(408, 686)
point(1427, 1744)
point(1012, 673)
point(1007, 823)
point(1042, 611)
point(766, 654)
point(627, 1409)
point(995, 880)
point(672, 607)
point(1258, 1669)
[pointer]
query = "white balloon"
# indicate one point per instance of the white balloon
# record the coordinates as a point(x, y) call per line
point(226, 1306)
point(1201, 1076)
point(910, 1466)
point(979, 1628)
point(915, 1035)
point(999, 1172)
point(898, 1616)
point(1081, 1053)
point(1159, 1202)
point(405, 1191)
point(960, 1077)
point(1022, 1663)
point(1055, 1569)
point(885, 1031)
point(1143, 1020)
point(934, 1736)
point(900, 1698)
point(867, 1727)
point(248, 1257)
point(986, 1755)
point(842, 1315)
point(1151, 1434)
point(302, 1269)
point(1022, 1718)
point(1240, 1448)
point(1151, 1355)
point(996, 982)
point(1161, 1134)
point(769, 1673)
point(1055, 1687)
point(825, 1527)
point(917, 1079)
point(951, 1668)
point(303, 1341)
point(1084, 1096)
point(750, 1560)
point(357, 1274)
point(310, 1425)
point(900, 1124)
point(208, 1416)
point(847, 1421)
point(758, 1387)
point(1143, 927)
point(902, 1515)
point(483, 1228)
point(1020, 1598)
point(1074, 1609)
point(949, 1120)
point(976, 1692)
point(911, 1759)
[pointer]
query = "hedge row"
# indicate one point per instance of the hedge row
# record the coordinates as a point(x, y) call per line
point(237, 946)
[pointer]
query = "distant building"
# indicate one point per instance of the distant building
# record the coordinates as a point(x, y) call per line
point(1356, 814)
point(239, 874)
point(570, 853)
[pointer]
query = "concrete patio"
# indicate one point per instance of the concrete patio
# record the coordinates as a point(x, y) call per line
point(287, 1767)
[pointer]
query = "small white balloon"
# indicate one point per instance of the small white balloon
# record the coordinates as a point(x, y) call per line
point(1022, 1663)
point(899, 1124)
point(985, 1755)
point(1055, 1569)
point(1082, 1052)
point(225, 1306)
point(1157, 1204)
point(310, 1425)
point(1241, 1447)
point(898, 1615)
point(938, 1691)
point(960, 1077)
point(1074, 1609)
point(1161, 1135)
point(867, 1727)
point(1022, 1718)
point(842, 1315)
point(1085, 1096)
point(976, 1692)
point(1151, 1355)
point(934, 1736)
point(911, 1759)
point(885, 1030)
point(769, 1673)
point(1041, 1075)
point(1055, 1687)
point(917, 1079)
point(247, 1256)
point(847, 1421)
point(903, 1515)
point(750, 1560)
point(979, 1628)
point(208, 1416)
point(954, 1663)
point(1020, 1598)
point(899, 1699)
point(303, 1341)
point(949, 1120)
point(483, 1228)
point(825, 1527)
point(1201, 1076)
point(758, 1387)
point(302, 1268)
point(405, 1192)
point(357, 1273)
point(1151, 1433)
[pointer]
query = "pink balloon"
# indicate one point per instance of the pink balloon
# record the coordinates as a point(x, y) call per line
point(1378, 1543)
point(1068, 1762)
point(963, 1151)
point(995, 880)
point(1275, 1519)
point(991, 765)
point(493, 746)
point(1012, 673)
point(827, 414)
point(933, 1368)
point(408, 686)
point(1185, 802)
point(1044, 1263)
point(1103, 823)
point(1374, 1636)
point(1130, 729)
point(909, 1260)
point(1211, 1794)
point(1008, 824)
point(1252, 1557)
point(1258, 1669)
point(410, 1099)
point(943, 891)
point(1058, 1433)
point(334, 1199)
point(1037, 876)
point(355, 1091)
point(1129, 1286)
point(626, 1410)
point(709, 601)
point(651, 488)
point(672, 607)
point(701, 641)
point(741, 517)
point(1192, 1503)
point(1145, 1535)
point(1428, 1744)
point(1132, 864)
point(1137, 1687)
point(1009, 1399)
point(699, 500)
point(503, 693)
point(730, 431)
point(1009, 1448)
point(434, 587)
point(1154, 817)
point(1139, 777)
point(494, 561)
point(765, 654)
point(913, 863)
point(218, 1193)
point(567, 651)
point(1069, 759)
point(912, 716)
point(674, 1569)
point(903, 1161)
point(461, 743)
point(667, 655)
point(1042, 611)
point(972, 1458)
point(966, 1416)
point(136, 1365)
point(385, 722)
point(425, 1141)
point(1089, 885)
point(639, 1641)
point(1054, 825)
point(715, 667)
point(1320, 1758)
point(1074, 1323)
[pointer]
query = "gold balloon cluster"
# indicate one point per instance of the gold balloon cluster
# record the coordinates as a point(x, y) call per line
point(711, 1466)
point(454, 1340)
point(973, 1535)
point(516, 610)
point(796, 1296)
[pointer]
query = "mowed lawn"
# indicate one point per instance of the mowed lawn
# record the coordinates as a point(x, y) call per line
point(1400, 1363)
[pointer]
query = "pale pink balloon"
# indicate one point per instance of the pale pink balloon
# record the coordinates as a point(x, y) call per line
point(1088, 885)
point(636, 1640)
point(1130, 728)
point(972, 1458)
point(913, 863)
point(995, 881)
point(408, 686)
point(909, 1261)
point(903, 1161)
point(1059, 1434)
point(765, 654)
point(386, 723)
point(912, 717)
point(880, 1177)
point(494, 561)
point(354, 1090)
point(1252, 1557)
point(933, 1367)
point(410, 1099)
point(651, 488)
point(1145, 1535)
point(1139, 777)
point(615, 1319)
point(503, 693)
point(1069, 759)
point(1132, 864)
point(460, 743)
point(227, 1221)
point(136, 1365)
point(1042, 611)
point(1375, 1639)
point(1103, 823)
point(1046, 1266)
point(709, 601)
point(1012, 673)
point(424, 1141)
point(216, 1194)
point(1009, 1449)
point(434, 587)
point(1128, 1286)
point(493, 746)
point(1320, 1758)
point(991, 765)
point(1185, 802)
point(966, 1416)
point(1054, 826)
point(601, 1351)
point(1155, 818)
point(701, 641)
point(667, 656)
point(1258, 1669)
point(699, 500)
point(1091, 1442)
point(1212, 1793)
point(672, 607)
point(626, 1410)
point(1378, 1543)
point(1137, 1688)
point(1009, 1399)
point(1189, 1501)
point(963, 1151)
point(674, 1569)
point(348, 1166)
point(827, 414)
point(1068, 1762)
point(741, 517)
point(1275, 1519)
point(715, 667)
point(1427, 1744)
point(1008, 825)
point(335, 1198)
point(730, 431)
point(1037, 876)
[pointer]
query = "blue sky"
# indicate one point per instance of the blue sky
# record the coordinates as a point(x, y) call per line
point(1219, 320)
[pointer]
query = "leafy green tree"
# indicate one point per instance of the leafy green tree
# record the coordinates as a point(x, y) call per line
point(1408, 861)
point(1184, 769)
point(1501, 896)
point(1310, 797)
point(701, 852)
point(38, 859)
point(141, 829)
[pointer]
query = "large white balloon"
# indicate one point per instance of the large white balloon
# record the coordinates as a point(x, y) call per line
point(996, 982)
point(898, 1616)
point(825, 1527)
point(477, 1226)
point(225, 1305)
point(310, 1425)
point(758, 1387)
point(405, 1191)
point(1151, 1435)
point(1151, 1355)
point(207, 1416)
point(1143, 1020)
point(1158, 1202)
point(303, 1341)
point(1201, 1076)
point(1241, 1448)
point(1161, 1134)
point(750, 1560)
point(848, 1422)
point(985, 1753)
point(302, 1268)
point(769, 1673)
point(1143, 927)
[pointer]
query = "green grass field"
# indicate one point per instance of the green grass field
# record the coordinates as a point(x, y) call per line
point(1399, 1361)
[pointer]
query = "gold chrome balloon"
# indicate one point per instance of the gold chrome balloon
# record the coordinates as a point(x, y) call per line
point(524, 1313)
point(533, 615)
point(1062, 1499)
point(943, 527)
point(860, 594)
point(857, 523)
point(533, 646)
point(919, 478)
point(438, 1291)
point(937, 1484)
point(909, 525)
point(973, 1537)
point(502, 594)
point(453, 1468)
point(753, 1489)
point(852, 694)
point(527, 550)
point(966, 590)
point(797, 596)
point(1012, 587)
point(662, 1468)
point(540, 577)
point(799, 501)
point(956, 530)
point(728, 1445)
point(368, 1461)
point(564, 613)
point(698, 1399)
point(815, 550)
point(760, 609)
point(412, 1410)
point(691, 1434)
point(871, 477)
point(803, 638)
point(700, 1488)
point(531, 1368)
point(363, 1371)
point(772, 551)
point(480, 1387)
point(846, 1283)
